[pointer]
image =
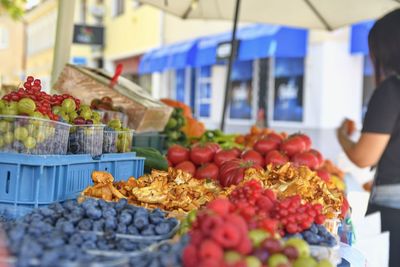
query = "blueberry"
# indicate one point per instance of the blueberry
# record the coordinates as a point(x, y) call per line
point(46, 212)
point(68, 228)
point(103, 204)
point(36, 217)
point(57, 207)
point(31, 249)
point(98, 225)
point(167, 260)
point(50, 257)
point(70, 252)
point(88, 203)
point(155, 218)
point(55, 242)
point(102, 245)
point(78, 211)
point(109, 213)
point(162, 228)
point(148, 230)
point(94, 213)
point(85, 224)
point(121, 204)
point(74, 147)
point(127, 245)
point(88, 245)
point(76, 239)
point(110, 224)
point(89, 236)
point(125, 218)
point(314, 229)
point(109, 235)
point(154, 263)
point(140, 220)
point(122, 229)
point(60, 222)
point(132, 230)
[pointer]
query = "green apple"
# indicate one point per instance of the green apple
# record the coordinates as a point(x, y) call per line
point(276, 259)
point(30, 142)
point(115, 124)
point(21, 133)
point(301, 245)
point(257, 236)
point(73, 115)
point(305, 262)
point(68, 105)
point(253, 261)
point(86, 114)
point(231, 257)
point(5, 126)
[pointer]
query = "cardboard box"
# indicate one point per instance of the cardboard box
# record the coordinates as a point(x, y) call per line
point(145, 114)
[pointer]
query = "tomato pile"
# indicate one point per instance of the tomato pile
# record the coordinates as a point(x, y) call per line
point(209, 161)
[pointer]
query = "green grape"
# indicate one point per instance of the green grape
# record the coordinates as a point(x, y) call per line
point(56, 109)
point(84, 107)
point(69, 105)
point(8, 138)
point(115, 124)
point(73, 115)
point(30, 142)
point(26, 106)
point(5, 126)
point(1, 142)
point(32, 129)
point(40, 137)
point(21, 133)
point(86, 114)
point(96, 116)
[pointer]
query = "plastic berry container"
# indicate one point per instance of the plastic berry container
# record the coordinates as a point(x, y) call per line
point(86, 139)
point(117, 141)
point(30, 135)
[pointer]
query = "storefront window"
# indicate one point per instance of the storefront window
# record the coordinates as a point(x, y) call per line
point(204, 92)
point(180, 85)
point(288, 95)
point(368, 84)
point(241, 102)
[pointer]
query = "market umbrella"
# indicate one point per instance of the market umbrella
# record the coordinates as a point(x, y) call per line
point(312, 14)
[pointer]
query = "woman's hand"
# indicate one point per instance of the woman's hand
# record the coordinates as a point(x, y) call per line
point(347, 128)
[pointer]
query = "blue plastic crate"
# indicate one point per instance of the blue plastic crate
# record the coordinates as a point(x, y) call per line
point(30, 181)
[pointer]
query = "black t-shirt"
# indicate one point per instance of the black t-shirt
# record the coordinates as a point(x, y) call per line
point(383, 116)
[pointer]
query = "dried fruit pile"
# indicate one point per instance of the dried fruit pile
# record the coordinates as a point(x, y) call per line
point(174, 190)
point(288, 180)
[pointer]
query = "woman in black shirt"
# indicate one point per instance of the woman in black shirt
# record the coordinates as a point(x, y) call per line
point(379, 144)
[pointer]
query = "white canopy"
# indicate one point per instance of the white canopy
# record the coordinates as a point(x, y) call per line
point(313, 14)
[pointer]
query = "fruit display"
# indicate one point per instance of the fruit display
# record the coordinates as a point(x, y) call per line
point(108, 112)
point(71, 231)
point(117, 139)
point(173, 132)
point(173, 190)
point(30, 135)
point(86, 139)
point(220, 236)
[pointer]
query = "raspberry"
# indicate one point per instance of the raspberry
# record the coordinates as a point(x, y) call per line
point(264, 203)
point(244, 246)
point(320, 219)
point(196, 237)
point(291, 228)
point(209, 223)
point(240, 264)
point(210, 250)
point(189, 256)
point(227, 235)
point(220, 206)
point(239, 222)
point(270, 194)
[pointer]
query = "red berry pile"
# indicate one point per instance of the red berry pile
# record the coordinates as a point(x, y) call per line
point(260, 208)
point(215, 230)
point(42, 102)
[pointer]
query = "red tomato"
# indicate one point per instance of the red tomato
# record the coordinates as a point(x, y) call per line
point(306, 140)
point(324, 175)
point(306, 159)
point(213, 146)
point(177, 154)
point(207, 171)
point(318, 155)
point(293, 145)
point(253, 156)
point(225, 155)
point(276, 137)
point(276, 157)
point(201, 154)
point(232, 172)
point(265, 145)
point(186, 166)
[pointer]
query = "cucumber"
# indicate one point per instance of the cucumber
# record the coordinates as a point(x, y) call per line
point(154, 159)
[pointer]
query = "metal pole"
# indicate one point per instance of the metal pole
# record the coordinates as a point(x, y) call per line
point(230, 63)
point(64, 32)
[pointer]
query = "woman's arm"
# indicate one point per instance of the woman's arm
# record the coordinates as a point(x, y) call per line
point(367, 150)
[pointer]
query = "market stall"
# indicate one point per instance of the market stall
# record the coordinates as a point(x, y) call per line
point(78, 190)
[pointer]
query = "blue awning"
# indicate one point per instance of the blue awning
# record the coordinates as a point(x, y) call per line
point(175, 56)
point(359, 37)
point(256, 41)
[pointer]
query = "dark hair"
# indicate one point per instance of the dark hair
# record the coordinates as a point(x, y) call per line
point(384, 45)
